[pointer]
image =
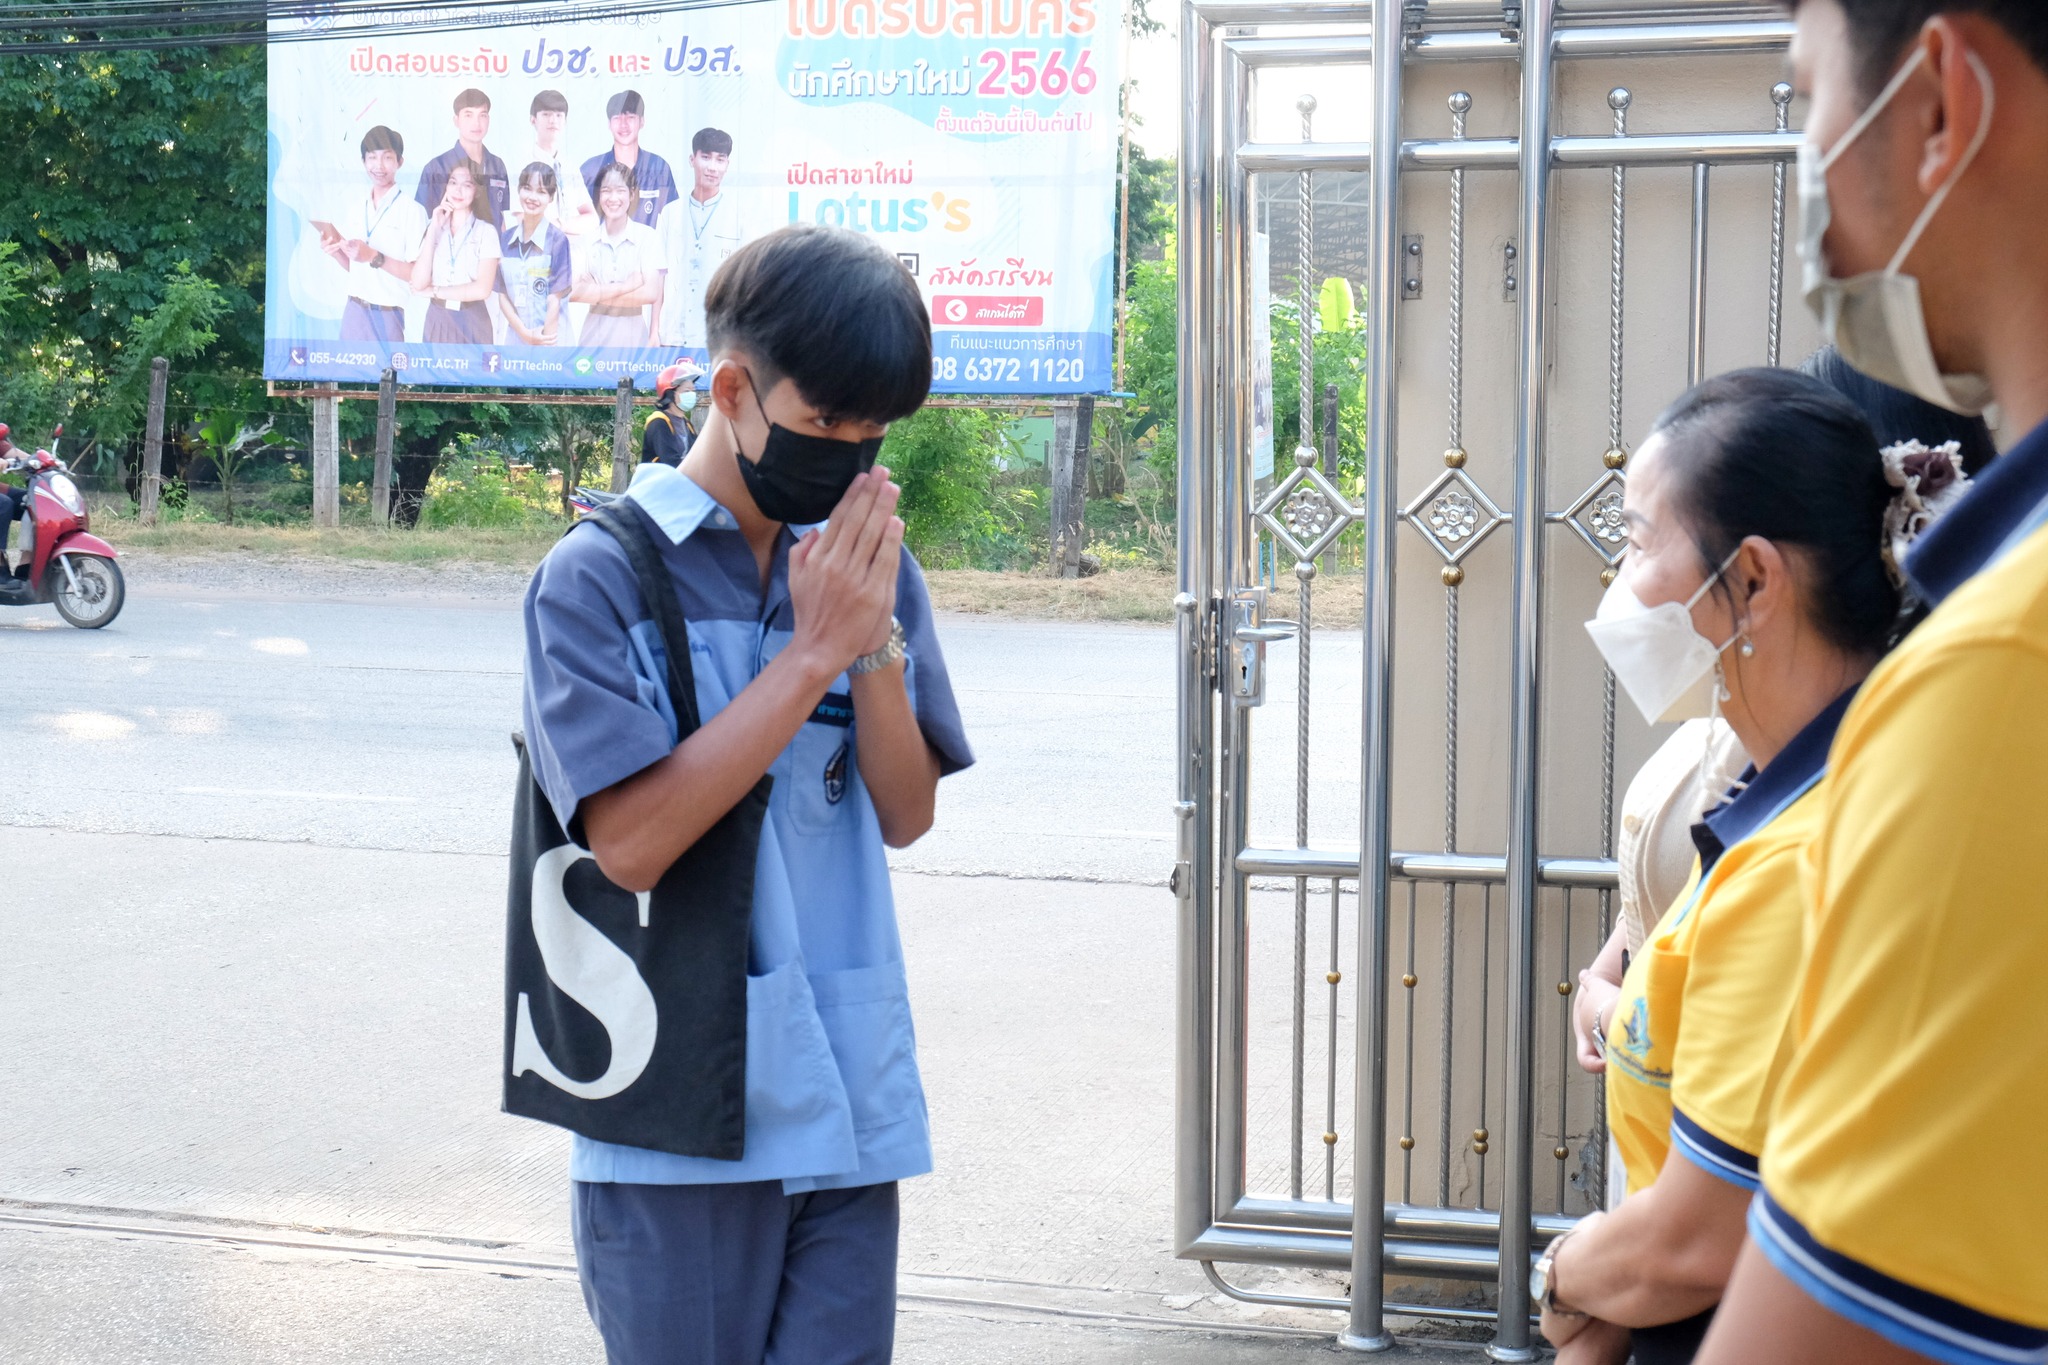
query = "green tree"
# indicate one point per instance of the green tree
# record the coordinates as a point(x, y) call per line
point(946, 461)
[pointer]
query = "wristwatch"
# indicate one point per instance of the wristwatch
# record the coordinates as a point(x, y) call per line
point(377, 261)
point(1543, 1280)
point(888, 654)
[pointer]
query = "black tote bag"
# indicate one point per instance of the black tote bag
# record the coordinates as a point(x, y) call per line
point(625, 1014)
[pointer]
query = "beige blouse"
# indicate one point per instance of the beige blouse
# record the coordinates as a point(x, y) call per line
point(1682, 781)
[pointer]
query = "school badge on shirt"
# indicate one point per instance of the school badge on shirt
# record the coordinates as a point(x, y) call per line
point(835, 774)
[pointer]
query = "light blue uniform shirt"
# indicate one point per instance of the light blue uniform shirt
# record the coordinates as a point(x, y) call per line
point(833, 1094)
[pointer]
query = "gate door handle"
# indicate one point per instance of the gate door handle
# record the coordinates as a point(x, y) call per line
point(1248, 659)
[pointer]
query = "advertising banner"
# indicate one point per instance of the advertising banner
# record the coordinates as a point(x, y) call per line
point(541, 205)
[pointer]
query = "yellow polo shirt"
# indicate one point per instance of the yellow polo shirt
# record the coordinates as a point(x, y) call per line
point(1906, 1180)
point(1701, 1030)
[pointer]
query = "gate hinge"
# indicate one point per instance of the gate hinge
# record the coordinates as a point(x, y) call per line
point(1511, 19)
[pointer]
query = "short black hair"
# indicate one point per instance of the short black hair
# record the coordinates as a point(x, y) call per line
point(832, 312)
point(625, 102)
point(382, 139)
point(541, 171)
point(1778, 454)
point(1895, 415)
point(1881, 29)
point(550, 100)
point(472, 98)
point(714, 140)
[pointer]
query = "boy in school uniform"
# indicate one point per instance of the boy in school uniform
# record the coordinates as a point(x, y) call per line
point(379, 238)
point(816, 663)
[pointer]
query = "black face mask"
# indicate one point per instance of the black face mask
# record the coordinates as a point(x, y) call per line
point(799, 479)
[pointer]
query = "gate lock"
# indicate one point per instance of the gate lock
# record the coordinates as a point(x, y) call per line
point(1249, 636)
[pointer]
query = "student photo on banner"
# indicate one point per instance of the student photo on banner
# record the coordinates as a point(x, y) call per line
point(571, 209)
point(376, 240)
point(533, 267)
point(655, 183)
point(458, 264)
point(472, 126)
point(698, 232)
point(622, 273)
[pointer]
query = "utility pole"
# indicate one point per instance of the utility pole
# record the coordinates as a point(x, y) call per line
point(150, 486)
point(1123, 218)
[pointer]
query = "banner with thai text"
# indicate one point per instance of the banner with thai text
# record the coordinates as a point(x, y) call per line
point(541, 204)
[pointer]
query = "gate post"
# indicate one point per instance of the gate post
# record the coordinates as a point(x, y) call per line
point(1194, 877)
point(1525, 747)
point(1367, 1330)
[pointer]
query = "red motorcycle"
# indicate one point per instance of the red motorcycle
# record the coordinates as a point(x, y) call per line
point(59, 562)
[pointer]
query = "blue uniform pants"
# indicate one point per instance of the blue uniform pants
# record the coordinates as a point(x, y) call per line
point(738, 1274)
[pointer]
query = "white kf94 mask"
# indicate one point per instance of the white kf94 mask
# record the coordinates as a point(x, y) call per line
point(1664, 665)
point(1875, 319)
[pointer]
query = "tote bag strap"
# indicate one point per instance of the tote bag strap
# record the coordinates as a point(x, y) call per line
point(630, 525)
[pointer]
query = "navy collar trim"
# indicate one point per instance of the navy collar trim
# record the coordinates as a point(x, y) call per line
point(1788, 777)
point(1960, 545)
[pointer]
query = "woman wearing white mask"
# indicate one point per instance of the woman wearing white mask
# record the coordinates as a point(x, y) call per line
point(1756, 586)
point(1653, 850)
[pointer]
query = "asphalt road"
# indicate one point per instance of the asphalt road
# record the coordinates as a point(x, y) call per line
point(251, 884)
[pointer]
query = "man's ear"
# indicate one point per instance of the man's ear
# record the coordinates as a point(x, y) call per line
point(729, 392)
point(1955, 117)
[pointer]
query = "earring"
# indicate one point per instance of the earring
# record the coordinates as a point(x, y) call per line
point(1748, 648)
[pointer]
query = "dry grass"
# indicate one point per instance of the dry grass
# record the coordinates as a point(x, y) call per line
point(1142, 595)
point(521, 548)
point(1117, 595)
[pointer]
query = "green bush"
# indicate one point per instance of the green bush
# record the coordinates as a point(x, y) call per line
point(474, 488)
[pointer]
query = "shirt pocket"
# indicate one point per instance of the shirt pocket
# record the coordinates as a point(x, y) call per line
point(823, 775)
point(792, 1082)
point(866, 1013)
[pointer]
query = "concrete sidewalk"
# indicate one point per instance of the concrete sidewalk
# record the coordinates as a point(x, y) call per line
point(302, 1043)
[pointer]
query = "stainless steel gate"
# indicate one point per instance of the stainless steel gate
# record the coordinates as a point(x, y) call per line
point(1588, 253)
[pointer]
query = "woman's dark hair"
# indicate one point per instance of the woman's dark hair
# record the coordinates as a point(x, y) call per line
point(480, 204)
point(1780, 455)
point(541, 174)
point(621, 172)
point(831, 311)
point(1895, 415)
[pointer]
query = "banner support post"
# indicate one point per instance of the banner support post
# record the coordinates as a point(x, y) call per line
point(327, 462)
point(622, 437)
point(387, 416)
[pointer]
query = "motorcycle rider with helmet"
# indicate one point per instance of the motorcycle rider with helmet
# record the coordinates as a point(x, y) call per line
point(13, 500)
point(668, 436)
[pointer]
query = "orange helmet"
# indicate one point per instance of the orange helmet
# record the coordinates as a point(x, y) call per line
point(674, 377)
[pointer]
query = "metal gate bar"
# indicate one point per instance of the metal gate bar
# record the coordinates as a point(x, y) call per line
point(1224, 629)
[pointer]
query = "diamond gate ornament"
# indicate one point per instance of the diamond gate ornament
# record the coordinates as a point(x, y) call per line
point(1305, 512)
point(1596, 516)
point(1454, 515)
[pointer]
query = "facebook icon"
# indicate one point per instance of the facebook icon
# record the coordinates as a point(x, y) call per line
point(491, 361)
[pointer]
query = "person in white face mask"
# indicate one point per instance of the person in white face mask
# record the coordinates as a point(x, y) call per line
point(1755, 590)
point(1903, 1186)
